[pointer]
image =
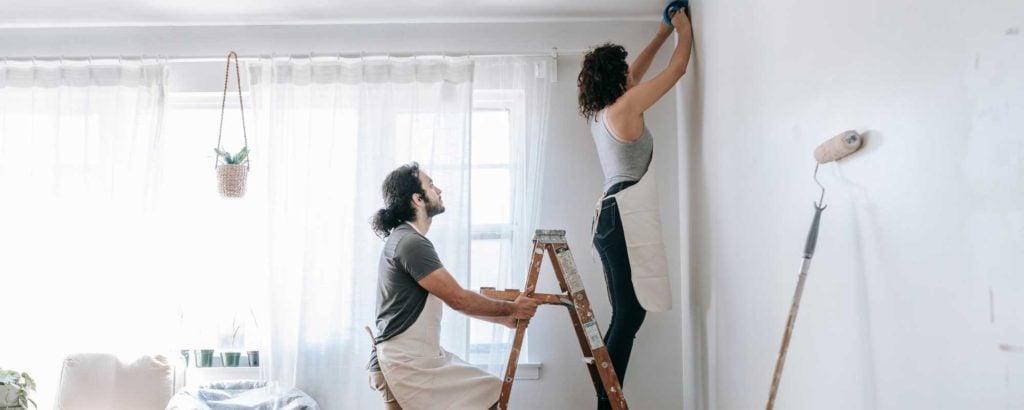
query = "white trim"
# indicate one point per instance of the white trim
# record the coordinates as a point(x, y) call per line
point(195, 376)
point(329, 22)
point(251, 58)
point(524, 371)
point(203, 99)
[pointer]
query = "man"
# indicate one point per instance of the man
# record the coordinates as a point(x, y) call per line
point(408, 365)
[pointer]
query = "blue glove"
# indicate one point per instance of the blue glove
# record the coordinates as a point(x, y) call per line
point(674, 7)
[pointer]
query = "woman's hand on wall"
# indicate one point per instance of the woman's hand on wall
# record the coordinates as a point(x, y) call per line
point(682, 24)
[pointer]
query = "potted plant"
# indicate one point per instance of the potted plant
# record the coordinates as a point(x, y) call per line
point(185, 354)
point(254, 358)
point(14, 390)
point(204, 358)
point(252, 353)
point(232, 170)
point(190, 338)
point(232, 357)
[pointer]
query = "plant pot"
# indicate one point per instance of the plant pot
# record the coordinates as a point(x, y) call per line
point(231, 179)
point(9, 396)
point(254, 358)
point(204, 358)
point(231, 359)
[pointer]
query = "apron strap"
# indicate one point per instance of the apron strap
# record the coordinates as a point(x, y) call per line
point(373, 339)
point(593, 228)
point(373, 344)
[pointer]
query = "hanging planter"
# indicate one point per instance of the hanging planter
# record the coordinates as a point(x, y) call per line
point(232, 169)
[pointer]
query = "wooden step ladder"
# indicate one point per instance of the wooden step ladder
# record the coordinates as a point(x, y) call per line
point(573, 297)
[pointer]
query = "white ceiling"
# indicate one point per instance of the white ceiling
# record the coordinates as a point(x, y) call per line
point(45, 13)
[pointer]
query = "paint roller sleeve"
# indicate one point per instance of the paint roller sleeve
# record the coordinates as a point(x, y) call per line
point(838, 147)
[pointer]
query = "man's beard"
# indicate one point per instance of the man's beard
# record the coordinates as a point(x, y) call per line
point(433, 208)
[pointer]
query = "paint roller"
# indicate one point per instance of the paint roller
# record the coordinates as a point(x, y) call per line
point(672, 8)
point(836, 148)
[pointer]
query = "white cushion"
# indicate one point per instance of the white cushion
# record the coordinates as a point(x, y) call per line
point(96, 381)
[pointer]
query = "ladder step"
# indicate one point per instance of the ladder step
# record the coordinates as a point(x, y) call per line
point(549, 235)
point(512, 294)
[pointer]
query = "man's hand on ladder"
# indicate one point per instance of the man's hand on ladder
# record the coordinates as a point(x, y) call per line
point(525, 306)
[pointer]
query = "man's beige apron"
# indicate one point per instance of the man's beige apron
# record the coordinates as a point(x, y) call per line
point(641, 224)
point(423, 376)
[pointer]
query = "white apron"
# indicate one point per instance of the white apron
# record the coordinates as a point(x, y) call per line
point(424, 376)
point(641, 224)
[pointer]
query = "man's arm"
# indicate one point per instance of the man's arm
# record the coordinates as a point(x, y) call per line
point(440, 283)
point(507, 321)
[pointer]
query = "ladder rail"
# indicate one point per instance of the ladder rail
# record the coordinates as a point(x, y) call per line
point(586, 325)
point(574, 298)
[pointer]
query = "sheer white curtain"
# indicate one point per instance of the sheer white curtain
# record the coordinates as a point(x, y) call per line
point(523, 86)
point(78, 161)
point(330, 130)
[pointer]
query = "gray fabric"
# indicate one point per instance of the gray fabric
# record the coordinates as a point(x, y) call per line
point(242, 394)
point(621, 162)
point(407, 258)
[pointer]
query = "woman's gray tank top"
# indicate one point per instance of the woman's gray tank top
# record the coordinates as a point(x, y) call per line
point(621, 161)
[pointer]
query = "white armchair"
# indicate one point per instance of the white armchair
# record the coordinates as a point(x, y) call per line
point(95, 381)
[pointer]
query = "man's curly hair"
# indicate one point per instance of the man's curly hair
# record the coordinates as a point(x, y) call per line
point(602, 79)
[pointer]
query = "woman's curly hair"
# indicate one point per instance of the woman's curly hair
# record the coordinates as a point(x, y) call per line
point(602, 79)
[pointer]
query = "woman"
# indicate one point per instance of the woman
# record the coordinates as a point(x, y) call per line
point(613, 99)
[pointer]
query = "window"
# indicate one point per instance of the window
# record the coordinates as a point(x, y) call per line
point(493, 126)
point(219, 272)
point(189, 192)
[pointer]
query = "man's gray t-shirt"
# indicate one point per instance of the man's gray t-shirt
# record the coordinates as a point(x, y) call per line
point(407, 258)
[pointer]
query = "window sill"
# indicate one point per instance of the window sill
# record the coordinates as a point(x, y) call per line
point(525, 371)
point(195, 376)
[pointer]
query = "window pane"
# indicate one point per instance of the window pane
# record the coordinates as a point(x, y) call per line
point(491, 196)
point(413, 134)
point(490, 137)
point(484, 261)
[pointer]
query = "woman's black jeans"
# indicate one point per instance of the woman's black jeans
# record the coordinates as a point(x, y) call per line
point(627, 314)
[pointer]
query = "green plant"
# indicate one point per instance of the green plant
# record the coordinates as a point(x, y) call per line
point(243, 325)
point(22, 382)
point(235, 159)
point(234, 335)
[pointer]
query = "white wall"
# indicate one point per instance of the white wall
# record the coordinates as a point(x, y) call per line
point(573, 177)
point(915, 299)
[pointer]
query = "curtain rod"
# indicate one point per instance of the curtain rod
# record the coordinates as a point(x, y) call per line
point(554, 53)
